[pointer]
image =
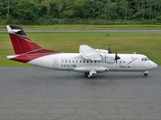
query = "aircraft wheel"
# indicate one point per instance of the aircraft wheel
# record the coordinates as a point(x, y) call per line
point(145, 74)
point(87, 75)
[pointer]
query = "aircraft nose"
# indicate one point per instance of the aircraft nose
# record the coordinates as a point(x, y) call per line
point(155, 65)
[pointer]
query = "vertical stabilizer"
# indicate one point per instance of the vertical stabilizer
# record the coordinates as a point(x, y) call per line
point(21, 43)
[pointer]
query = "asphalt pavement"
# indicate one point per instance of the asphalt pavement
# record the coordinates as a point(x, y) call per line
point(34, 93)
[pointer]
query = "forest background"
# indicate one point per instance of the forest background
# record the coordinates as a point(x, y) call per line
point(94, 12)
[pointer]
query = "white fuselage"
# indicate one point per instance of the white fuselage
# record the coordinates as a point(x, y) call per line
point(89, 60)
point(75, 62)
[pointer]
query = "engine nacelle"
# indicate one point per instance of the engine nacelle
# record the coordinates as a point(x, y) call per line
point(110, 58)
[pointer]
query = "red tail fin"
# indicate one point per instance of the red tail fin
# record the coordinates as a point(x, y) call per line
point(21, 43)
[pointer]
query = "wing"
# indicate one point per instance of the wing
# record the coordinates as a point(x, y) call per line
point(89, 53)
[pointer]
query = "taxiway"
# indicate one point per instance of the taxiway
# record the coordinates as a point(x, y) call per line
point(33, 93)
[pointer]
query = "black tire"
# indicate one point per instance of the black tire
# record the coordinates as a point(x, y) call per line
point(87, 75)
point(145, 74)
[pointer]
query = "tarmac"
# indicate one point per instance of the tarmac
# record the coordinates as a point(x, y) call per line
point(34, 93)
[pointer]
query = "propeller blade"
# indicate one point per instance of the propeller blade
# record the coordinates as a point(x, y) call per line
point(116, 57)
point(109, 50)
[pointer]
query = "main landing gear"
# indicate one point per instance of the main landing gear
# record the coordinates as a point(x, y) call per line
point(90, 73)
point(146, 73)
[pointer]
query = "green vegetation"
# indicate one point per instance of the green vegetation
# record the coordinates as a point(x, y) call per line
point(93, 12)
point(148, 44)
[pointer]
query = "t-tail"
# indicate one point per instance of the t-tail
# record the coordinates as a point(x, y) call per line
point(21, 43)
point(24, 48)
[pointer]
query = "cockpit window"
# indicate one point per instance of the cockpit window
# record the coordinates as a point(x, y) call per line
point(144, 59)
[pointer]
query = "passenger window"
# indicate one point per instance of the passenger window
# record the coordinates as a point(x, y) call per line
point(73, 61)
point(80, 61)
point(84, 61)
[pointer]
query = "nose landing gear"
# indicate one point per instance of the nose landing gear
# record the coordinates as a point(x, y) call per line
point(146, 73)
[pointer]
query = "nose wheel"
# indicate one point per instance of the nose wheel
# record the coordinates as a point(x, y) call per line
point(146, 73)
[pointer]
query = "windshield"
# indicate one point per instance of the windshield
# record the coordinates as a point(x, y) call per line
point(145, 59)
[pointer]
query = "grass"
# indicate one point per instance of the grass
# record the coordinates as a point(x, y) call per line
point(148, 44)
point(83, 26)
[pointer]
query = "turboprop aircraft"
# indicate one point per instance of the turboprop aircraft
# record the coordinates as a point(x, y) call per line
point(89, 60)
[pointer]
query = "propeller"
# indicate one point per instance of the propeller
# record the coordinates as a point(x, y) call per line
point(109, 50)
point(116, 57)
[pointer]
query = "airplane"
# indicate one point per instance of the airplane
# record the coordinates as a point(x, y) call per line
point(89, 61)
